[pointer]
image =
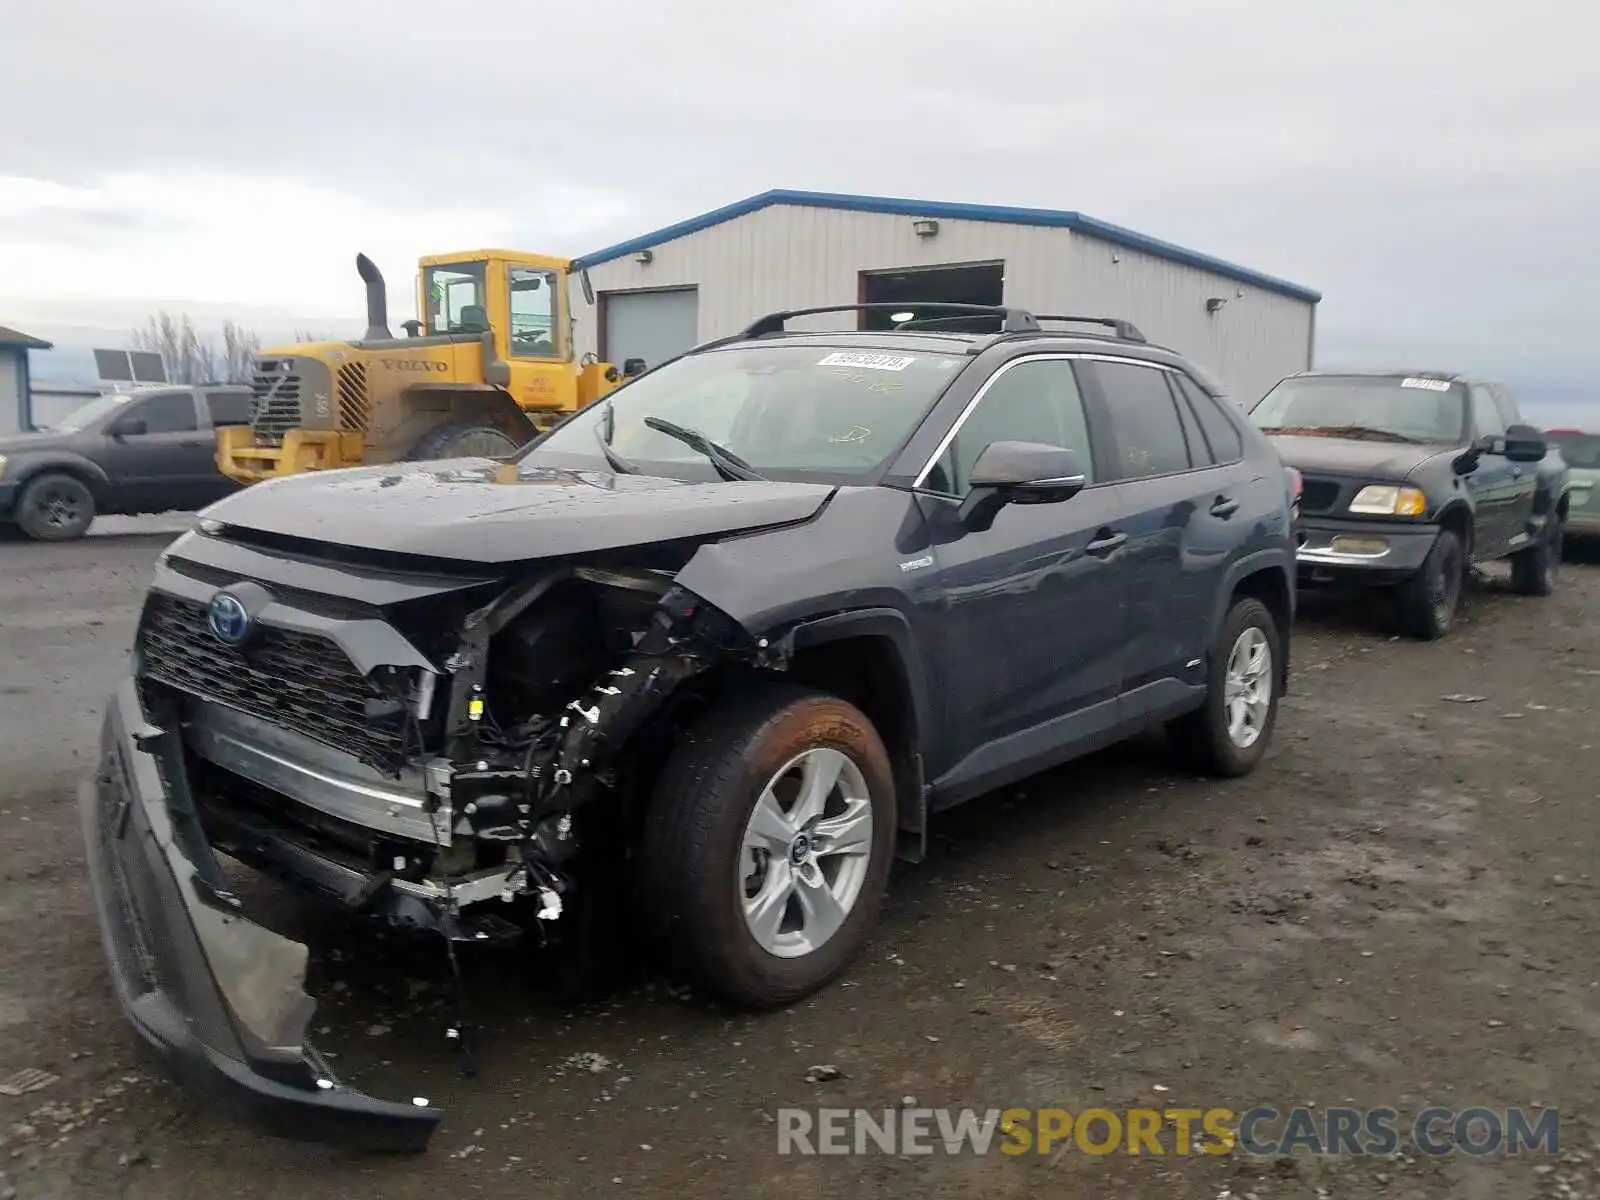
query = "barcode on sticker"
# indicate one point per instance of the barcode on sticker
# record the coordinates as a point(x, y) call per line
point(872, 362)
point(1432, 385)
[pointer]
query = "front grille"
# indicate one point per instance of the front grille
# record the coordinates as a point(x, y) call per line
point(297, 681)
point(275, 407)
point(1319, 495)
point(355, 405)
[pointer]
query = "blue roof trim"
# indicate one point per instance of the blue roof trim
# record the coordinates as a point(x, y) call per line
point(895, 206)
point(11, 339)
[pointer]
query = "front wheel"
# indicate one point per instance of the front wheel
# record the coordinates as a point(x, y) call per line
point(768, 844)
point(55, 508)
point(1425, 606)
point(1228, 734)
point(1536, 570)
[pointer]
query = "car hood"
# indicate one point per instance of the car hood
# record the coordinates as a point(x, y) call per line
point(482, 511)
point(1353, 457)
point(22, 443)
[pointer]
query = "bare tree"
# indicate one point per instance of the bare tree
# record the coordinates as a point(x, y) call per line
point(192, 357)
point(315, 335)
point(238, 345)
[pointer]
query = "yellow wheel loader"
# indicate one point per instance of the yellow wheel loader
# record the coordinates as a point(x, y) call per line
point(488, 367)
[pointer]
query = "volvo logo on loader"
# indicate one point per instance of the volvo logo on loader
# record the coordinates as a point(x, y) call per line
point(413, 364)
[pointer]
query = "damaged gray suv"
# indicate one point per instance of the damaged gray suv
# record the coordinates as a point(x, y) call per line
point(711, 651)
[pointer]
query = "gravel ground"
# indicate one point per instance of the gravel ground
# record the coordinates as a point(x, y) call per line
point(1398, 909)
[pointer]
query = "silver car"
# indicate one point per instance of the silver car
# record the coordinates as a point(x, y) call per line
point(1582, 452)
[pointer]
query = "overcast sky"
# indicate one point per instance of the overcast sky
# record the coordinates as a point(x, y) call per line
point(1432, 168)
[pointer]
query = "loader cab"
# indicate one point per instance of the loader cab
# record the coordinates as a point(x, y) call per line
point(520, 298)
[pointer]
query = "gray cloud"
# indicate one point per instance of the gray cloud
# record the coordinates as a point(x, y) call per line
point(1432, 167)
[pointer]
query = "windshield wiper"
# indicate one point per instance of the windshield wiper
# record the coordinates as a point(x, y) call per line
point(728, 464)
point(1368, 431)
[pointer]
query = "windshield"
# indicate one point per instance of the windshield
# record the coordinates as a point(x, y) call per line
point(86, 415)
point(782, 410)
point(455, 298)
point(1581, 450)
point(1365, 406)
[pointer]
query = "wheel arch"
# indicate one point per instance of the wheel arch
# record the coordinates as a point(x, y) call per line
point(1458, 517)
point(1265, 577)
point(85, 470)
point(870, 658)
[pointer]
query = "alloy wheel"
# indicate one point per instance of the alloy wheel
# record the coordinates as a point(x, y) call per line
point(805, 852)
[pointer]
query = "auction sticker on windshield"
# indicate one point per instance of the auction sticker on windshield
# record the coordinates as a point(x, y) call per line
point(872, 362)
point(1433, 385)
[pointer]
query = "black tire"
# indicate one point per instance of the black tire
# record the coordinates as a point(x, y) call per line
point(1426, 604)
point(1202, 738)
point(55, 508)
point(461, 441)
point(692, 856)
point(1536, 570)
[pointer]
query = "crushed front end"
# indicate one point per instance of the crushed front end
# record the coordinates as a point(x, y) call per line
point(422, 742)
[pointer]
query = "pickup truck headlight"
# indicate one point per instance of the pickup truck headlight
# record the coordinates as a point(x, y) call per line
point(2, 464)
point(1384, 500)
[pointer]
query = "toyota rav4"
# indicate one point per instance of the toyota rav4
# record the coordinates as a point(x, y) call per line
point(714, 648)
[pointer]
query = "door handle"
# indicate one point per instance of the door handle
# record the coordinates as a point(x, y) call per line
point(1224, 506)
point(1105, 542)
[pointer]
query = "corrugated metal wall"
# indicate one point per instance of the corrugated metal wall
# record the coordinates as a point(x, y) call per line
point(793, 257)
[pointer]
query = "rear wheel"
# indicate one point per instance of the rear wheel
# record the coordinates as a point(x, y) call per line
point(1229, 733)
point(1425, 606)
point(55, 508)
point(1536, 570)
point(461, 441)
point(768, 844)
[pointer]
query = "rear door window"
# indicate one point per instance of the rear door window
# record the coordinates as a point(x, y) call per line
point(228, 408)
point(1221, 434)
point(1145, 427)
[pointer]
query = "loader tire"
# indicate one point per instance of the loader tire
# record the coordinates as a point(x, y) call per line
point(461, 441)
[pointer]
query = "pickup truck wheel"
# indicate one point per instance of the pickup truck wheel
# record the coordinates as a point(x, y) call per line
point(767, 846)
point(55, 508)
point(1536, 570)
point(1425, 606)
point(1228, 734)
point(461, 441)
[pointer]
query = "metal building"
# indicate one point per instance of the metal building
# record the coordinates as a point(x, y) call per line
point(14, 384)
point(661, 293)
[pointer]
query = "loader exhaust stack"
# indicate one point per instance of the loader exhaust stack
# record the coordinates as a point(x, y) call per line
point(377, 299)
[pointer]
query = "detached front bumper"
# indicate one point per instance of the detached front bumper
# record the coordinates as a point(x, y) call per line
point(1357, 553)
point(220, 998)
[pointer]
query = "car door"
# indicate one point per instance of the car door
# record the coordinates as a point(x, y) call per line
point(1524, 476)
point(1493, 483)
point(158, 456)
point(1180, 517)
point(1030, 621)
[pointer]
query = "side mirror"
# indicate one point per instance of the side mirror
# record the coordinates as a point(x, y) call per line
point(632, 367)
point(132, 427)
point(588, 288)
point(1525, 444)
point(1019, 473)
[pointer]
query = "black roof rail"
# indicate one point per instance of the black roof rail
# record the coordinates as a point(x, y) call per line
point(1126, 330)
point(1015, 320)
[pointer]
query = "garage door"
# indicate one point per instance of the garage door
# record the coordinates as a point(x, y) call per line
point(654, 326)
